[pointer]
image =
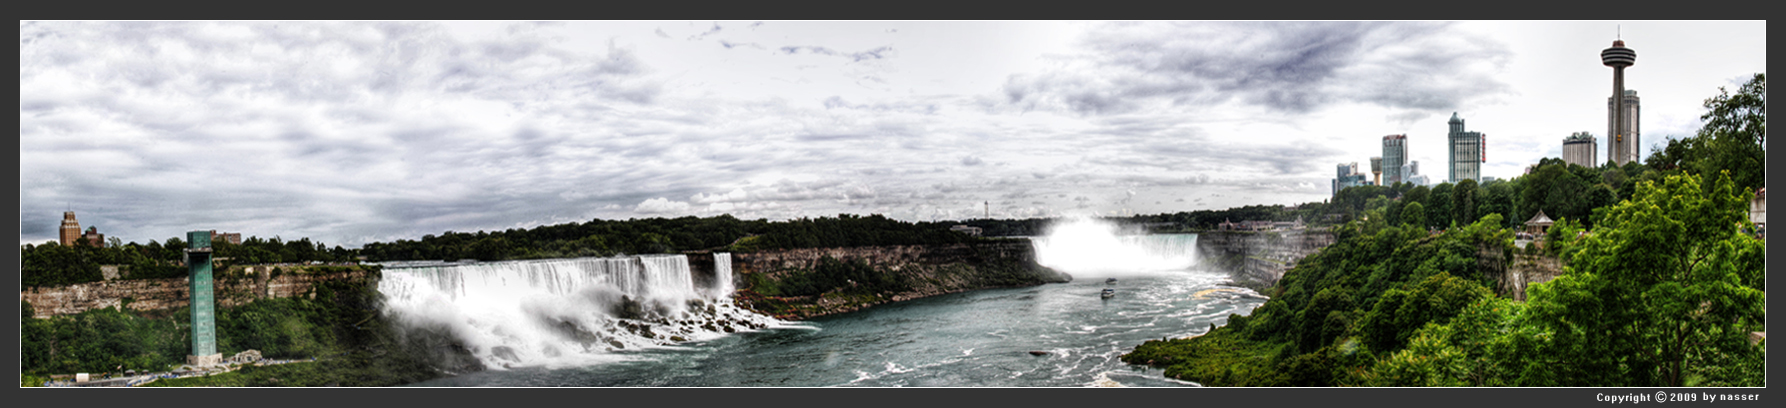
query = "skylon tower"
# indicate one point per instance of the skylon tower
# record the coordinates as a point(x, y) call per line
point(1623, 143)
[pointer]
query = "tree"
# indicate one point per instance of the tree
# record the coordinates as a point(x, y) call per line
point(1665, 284)
point(1496, 197)
point(1463, 202)
point(1414, 214)
point(1735, 132)
point(1555, 190)
point(1734, 138)
point(1438, 206)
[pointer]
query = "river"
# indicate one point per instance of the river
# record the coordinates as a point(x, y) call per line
point(973, 339)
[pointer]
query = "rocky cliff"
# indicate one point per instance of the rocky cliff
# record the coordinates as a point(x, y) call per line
point(1511, 278)
point(236, 286)
point(1256, 260)
point(914, 271)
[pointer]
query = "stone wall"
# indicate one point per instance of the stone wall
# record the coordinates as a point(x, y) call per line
point(239, 285)
point(930, 269)
point(1256, 260)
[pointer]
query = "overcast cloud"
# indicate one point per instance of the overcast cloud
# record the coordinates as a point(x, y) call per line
point(366, 131)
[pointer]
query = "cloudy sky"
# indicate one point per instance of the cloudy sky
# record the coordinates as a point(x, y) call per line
point(366, 131)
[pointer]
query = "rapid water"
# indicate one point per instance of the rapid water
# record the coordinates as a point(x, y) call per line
point(978, 338)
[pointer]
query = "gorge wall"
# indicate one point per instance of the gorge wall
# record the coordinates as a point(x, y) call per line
point(1256, 260)
point(923, 271)
point(237, 286)
point(1511, 278)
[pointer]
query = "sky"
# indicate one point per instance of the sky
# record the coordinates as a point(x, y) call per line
point(357, 132)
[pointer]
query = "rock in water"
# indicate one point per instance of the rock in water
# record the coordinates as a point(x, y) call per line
point(1038, 353)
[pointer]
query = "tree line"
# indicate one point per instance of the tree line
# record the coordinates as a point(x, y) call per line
point(53, 264)
point(666, 235)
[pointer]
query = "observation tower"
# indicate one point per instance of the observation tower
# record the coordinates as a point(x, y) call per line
point(1620, 148)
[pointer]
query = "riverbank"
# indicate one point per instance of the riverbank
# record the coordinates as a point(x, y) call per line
point(186, 376)
point(338, 319)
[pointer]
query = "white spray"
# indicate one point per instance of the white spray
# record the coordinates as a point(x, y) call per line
point(1090, 248)
point(566, 311)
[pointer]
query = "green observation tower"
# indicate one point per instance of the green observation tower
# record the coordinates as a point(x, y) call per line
point(204, 316)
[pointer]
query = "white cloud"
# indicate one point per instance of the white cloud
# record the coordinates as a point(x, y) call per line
point(660, 205)
point(736, 195)
point(349, 132)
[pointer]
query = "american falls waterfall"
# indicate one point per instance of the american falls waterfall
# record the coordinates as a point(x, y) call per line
point(560, 312)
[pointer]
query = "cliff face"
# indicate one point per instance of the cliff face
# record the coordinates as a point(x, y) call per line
point(923, 271)
point(1256, 260)
point(1511, 278)
point(238, 286)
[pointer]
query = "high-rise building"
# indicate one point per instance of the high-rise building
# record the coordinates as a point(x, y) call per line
point(1395, 155)
point(1631, 151)
point(1377, 170)
point(1411, 174)
point(71, 232)
point(1466, 150)
point(1581, 149)
point(1348, 176)
point(71, 229)
point(1621, 132)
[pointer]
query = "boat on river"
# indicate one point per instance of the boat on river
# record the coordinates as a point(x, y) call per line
point(1108, 293)
point(1111, 281)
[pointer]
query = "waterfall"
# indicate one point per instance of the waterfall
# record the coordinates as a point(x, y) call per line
point(1090, 248)
point(565, 311)
point(722, 272)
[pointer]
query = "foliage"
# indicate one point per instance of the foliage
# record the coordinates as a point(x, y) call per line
point(665, 235)
point(1665, 278)
point(1733, 139)
point(1338, 309)
point(99, 341)
point(1484, 345)
point(341, 326)
point(1664, 292)
point(1399, 312)
point(1561, 238)
point(52, 264)
point(1414, 215)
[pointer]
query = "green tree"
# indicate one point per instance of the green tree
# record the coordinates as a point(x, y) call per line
point(1414, 215)
point(1496, 197)
point(1463, 202)
point(1662, 286)
point(1438, 206)
point(1735, 133)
